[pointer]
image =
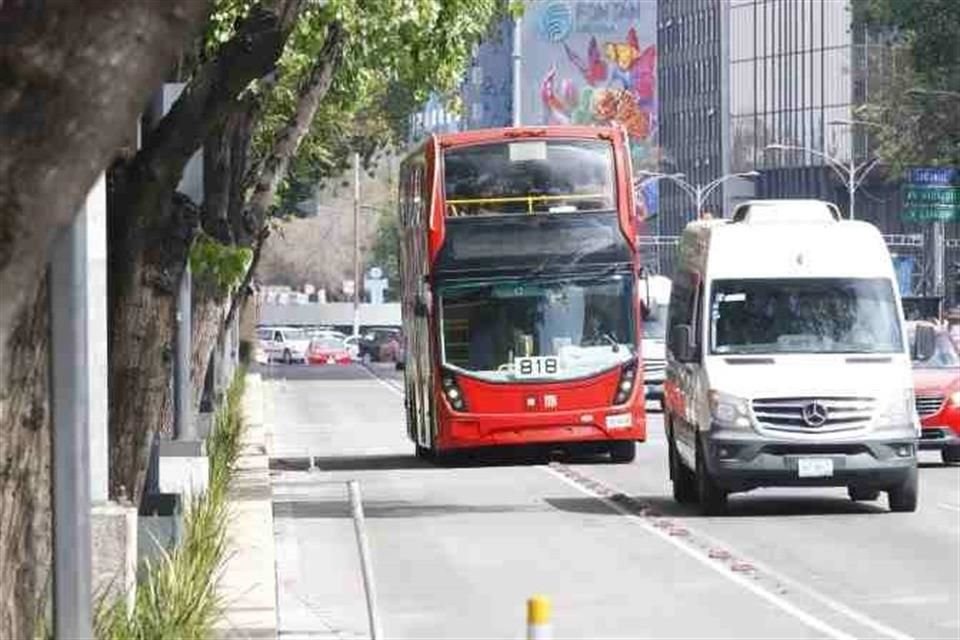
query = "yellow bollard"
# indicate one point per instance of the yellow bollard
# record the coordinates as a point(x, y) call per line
point(538, 618)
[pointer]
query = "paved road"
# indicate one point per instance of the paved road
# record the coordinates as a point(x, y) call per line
point(457, 551)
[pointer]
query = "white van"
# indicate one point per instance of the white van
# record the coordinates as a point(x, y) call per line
point(654, 292)
point(787, 359)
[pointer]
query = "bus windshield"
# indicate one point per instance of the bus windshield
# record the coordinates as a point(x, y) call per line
point(581, 324)
point(836, 315)
point(529, 176)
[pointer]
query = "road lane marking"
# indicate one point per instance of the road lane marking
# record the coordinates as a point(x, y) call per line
point(729, 563)
point(395, 388)
point(951, 507)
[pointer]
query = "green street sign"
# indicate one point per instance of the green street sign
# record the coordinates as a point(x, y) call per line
point(931, 198)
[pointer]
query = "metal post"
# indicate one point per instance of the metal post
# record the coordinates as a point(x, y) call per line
point(356, 244)
point(852, 184)
point(95, 210)
point(183, 427)
point(517, 96)
point(369, 588)
point(938, 259)
point(71, 439)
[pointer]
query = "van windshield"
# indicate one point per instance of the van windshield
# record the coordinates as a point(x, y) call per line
point(830, 315)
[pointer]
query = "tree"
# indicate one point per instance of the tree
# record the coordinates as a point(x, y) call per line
point(292, 80)
point(920, 87)
point(73, 78)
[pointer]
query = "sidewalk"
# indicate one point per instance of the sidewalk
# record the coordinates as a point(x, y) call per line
point(248, 585)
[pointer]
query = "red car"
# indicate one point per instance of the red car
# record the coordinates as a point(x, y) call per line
point(328, 350)
point(937, 387)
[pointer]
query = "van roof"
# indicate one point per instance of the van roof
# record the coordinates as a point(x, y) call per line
point(786, 249)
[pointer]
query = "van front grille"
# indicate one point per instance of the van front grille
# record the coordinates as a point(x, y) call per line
point(814, 414)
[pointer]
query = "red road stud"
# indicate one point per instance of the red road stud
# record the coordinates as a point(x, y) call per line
point(719, 554)
point(679, 532)
point(743, 567)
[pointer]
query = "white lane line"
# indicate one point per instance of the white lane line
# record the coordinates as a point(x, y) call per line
point(838, 607)
point(781, 603)
point(951, 507)
point(383, 382)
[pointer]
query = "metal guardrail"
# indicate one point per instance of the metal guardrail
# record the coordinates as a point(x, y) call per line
point(904, 240)
point(658, 241)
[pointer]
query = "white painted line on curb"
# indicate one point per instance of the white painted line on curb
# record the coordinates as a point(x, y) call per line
point(721, 568)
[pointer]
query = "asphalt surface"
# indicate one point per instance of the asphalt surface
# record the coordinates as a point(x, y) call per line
point(457, 550)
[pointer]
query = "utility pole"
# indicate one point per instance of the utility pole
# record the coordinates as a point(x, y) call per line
point(72, 593)
point(517, 96)
point(356, 244)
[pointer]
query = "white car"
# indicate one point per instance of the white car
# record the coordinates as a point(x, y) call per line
point(287, 344)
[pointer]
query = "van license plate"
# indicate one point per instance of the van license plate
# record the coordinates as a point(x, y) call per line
point(815, 467)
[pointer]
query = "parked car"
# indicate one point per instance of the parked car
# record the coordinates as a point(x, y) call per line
point(937, 386)
point(372, 340)
point(287, 344)
point(328, 350)
point(353, 346)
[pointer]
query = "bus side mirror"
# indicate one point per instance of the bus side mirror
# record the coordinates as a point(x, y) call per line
point(681, 343)
point(924, 343)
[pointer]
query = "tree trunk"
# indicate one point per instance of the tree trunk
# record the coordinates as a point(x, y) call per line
point(209, 311)
point(73, 77)
point(151, 231)
point(142, 327)
point(25, 480)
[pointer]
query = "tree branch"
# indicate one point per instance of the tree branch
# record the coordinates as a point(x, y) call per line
point(274, 167)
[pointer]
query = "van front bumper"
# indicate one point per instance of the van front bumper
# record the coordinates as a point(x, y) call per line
point(743, 461)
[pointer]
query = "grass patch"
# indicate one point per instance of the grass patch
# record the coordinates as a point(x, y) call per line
point(177, 594)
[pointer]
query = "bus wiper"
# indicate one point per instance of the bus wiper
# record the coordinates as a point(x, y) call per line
point(612, 341)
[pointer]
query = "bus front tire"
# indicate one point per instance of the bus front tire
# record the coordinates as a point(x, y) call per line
point(623, 451)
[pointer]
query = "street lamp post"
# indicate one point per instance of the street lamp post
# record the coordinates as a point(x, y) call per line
point(697, 192)
point(852, 174)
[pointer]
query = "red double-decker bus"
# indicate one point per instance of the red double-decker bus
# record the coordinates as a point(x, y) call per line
point(520, 312)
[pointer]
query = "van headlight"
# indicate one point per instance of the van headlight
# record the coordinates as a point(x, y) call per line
point(898, 410)
point(729, 411)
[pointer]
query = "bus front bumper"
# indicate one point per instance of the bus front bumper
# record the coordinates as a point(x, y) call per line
point(483, 430)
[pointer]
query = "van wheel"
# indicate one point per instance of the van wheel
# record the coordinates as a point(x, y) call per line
point(684, 480)
point(287, 357)
point(623, 451)
point(859, 494)
point(950, 455)
point(903, 498)
point(713, 499)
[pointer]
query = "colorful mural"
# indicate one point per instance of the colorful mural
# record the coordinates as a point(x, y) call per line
point(588, 62)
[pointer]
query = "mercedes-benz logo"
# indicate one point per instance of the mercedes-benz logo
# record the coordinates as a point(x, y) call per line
point(814, 414)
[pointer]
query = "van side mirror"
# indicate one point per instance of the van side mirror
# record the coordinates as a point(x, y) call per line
point(681, 343)
point(924, 343)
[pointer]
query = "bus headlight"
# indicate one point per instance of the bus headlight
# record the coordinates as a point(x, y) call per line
point(452, 391)
point(729, 411)
point(628, 378)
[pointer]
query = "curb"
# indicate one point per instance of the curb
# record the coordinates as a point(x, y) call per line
point(248, 583)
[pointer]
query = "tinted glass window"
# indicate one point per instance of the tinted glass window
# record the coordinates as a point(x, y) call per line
point(530, 176)
point(838, 315)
